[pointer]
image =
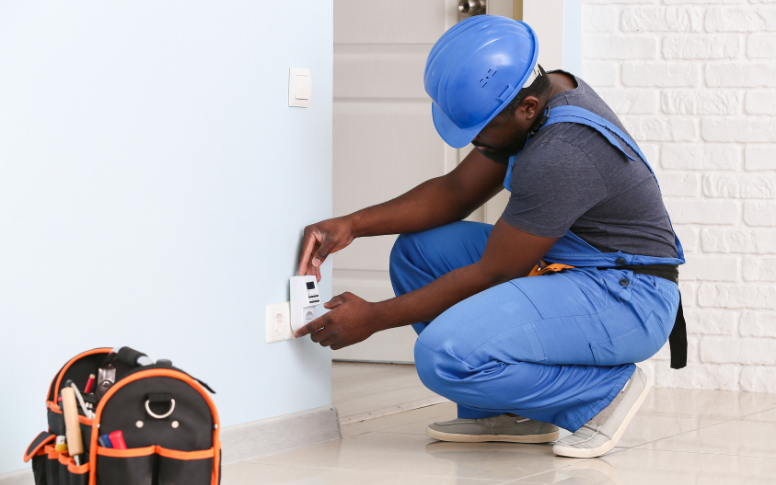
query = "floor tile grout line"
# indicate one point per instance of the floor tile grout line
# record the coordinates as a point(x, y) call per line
point(658, 413)
point(679, 434)
point(758, 412)
point(385, 473)
point(703, 453)
point(384, 429)
point(517, 480)
point(391, 410)
point(614, 451)
point(722, 421)
point(666, 415)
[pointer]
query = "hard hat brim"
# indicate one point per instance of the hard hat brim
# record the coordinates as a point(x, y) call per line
point(451, 133)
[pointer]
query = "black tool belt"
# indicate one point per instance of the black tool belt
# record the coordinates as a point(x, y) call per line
point(677, 341)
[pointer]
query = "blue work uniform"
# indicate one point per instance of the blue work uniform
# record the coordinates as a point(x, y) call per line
point(555, 348)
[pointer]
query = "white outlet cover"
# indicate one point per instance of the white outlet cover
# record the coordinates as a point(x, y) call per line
point(300, 87)
point(277, 322)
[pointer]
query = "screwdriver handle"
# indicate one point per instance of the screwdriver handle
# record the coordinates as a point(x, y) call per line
point(75, 444)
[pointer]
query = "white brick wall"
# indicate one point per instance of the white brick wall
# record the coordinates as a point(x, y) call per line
point(693, 80)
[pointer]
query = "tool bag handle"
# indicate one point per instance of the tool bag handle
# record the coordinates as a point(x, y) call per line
point(132, 357)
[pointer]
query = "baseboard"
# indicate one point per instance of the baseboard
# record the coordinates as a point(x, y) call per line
point(362, 361)
point(399, 408)
point(276, 435)
point(255, 439)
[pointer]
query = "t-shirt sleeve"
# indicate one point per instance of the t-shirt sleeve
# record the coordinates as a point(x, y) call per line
point(552, 186)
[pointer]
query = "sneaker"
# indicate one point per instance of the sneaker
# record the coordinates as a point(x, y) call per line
point(601, 434)
point(506, 427)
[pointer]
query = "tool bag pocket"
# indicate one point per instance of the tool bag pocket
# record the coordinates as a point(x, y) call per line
point(154, 464)
point(38, 453)
point(39, 464)
point(133, 466)
point(51, 477)
point(51, 467)
point(77, 475)
point(189, 467)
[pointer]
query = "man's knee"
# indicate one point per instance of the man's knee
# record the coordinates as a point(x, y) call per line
point(435, 362)
point(403, 263)
point(429, 366)
point(401, 248)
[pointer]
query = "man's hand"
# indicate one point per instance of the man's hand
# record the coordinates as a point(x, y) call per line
point(351, 320)
point(322, 239)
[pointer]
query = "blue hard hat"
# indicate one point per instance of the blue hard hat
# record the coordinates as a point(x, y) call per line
point(474, 70)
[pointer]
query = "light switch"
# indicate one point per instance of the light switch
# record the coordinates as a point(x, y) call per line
point(300, 87)
point(303, 88)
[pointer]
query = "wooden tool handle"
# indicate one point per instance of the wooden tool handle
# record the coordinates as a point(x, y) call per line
point(75, 444)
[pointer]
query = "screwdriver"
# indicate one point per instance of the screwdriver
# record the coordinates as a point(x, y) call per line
point(75, 444)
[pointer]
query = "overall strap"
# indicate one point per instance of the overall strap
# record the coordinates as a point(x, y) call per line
point(581, 116)
point(575, 114)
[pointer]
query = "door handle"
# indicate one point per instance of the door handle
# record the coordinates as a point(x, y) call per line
point(472, 7)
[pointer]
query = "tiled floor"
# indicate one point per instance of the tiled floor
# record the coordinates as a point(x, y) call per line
point(680, 437)
point(364, 391)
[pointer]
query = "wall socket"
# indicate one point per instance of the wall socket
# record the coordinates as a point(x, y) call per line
point(277, 322)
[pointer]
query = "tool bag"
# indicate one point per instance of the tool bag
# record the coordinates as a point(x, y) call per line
point(169, 423)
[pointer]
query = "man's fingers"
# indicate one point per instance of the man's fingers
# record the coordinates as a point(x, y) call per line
point(321, 335)
point(311, 327)
point(323, 251)
point(310, 240)
point(327, 336)
point(303, 331)
point(334, 302)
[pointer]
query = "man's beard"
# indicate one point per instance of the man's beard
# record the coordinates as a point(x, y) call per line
point(514, 147)
point(503, 154)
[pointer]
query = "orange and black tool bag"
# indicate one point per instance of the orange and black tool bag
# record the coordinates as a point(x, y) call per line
point(169, 424)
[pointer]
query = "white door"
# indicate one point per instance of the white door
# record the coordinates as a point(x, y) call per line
point(384, 138)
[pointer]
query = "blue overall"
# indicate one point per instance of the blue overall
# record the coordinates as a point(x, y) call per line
point(555, 348)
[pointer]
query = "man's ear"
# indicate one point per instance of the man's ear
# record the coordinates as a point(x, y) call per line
point(529, 108)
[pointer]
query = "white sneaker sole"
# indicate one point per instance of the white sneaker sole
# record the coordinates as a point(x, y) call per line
point(572, 452)
point(482, 438)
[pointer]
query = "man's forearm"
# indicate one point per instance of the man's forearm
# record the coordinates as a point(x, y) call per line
point(498, 264)
point(430, 204)
point(428, 302)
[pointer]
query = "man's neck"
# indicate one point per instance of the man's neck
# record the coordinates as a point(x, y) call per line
point(559, 82)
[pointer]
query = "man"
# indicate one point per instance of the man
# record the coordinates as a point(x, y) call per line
point(520, 355)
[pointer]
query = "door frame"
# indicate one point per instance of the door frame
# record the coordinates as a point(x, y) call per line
point(560, 48)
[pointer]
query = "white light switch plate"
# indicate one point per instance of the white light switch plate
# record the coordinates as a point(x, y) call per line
point(277, 322)
point(300, 87)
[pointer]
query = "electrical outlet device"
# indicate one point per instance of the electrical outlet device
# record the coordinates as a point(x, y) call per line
point(277, 322)
point(304, 298)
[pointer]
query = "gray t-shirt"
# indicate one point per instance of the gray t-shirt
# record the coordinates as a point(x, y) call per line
point(570, 177)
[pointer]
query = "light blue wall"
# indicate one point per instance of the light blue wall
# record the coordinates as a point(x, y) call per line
point(153, 188)
point(572, 36)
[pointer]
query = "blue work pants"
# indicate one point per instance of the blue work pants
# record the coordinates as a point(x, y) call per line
point(555, 348)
